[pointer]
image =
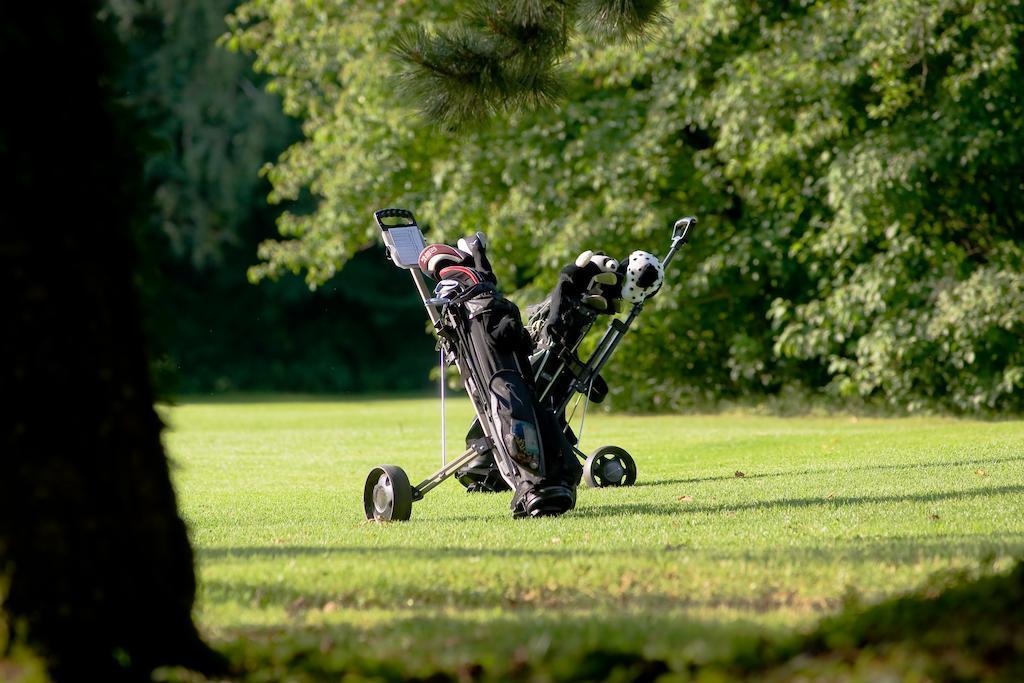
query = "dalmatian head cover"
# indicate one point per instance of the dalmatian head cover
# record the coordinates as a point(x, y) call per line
point(642, 278)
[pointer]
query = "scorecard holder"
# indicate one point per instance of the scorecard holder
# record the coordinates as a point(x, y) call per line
point(402, 237)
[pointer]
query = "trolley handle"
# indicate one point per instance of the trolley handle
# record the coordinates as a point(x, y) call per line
point(406, 219)
point(681, 230)
point(403, 239)
point(680, 236)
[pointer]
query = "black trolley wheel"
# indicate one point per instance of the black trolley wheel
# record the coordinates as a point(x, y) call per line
point(387, 494)
point(609, 466)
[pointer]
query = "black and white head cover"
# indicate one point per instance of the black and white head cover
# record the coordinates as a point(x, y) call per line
point(642, 278)
point(594, 274)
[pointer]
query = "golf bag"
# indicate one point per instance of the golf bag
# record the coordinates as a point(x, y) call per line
point(483, 334)
point(556, 327)
point(592, 285)
point(520, 382)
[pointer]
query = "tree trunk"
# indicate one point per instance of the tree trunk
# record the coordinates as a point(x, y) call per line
point(99, 563)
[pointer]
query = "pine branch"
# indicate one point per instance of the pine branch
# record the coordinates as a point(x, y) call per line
point(623, 20)
point(504, 54)
point(461, 75)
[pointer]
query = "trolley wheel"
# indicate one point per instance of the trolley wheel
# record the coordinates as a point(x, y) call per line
point(609, 466)
point(387, 494)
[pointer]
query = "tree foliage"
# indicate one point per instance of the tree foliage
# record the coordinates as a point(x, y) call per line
point(209, 128)
point(857, 169)
point(211, 125)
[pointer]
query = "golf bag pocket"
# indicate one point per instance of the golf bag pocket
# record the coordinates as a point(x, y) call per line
point(516, 422)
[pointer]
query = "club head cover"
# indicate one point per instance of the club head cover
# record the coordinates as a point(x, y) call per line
point(599, 258)
point(592, 267)
point(594, 275)
point(464, 274)
point(642, 277)
point(465, 242)
point(476, 246)
point(606, 263)
point(436, 257)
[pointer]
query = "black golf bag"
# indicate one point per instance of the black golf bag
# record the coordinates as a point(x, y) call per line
point(482, 332)
point(557, 325)
point(520, 382)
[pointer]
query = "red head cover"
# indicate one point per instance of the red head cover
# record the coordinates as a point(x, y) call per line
point(438, 256)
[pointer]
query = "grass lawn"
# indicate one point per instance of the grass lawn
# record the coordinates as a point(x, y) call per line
point(690, 562)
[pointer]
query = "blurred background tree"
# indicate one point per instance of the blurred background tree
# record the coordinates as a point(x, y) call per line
point(211, 126)
point(857, 169)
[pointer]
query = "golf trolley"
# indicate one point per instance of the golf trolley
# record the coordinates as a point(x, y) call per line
point(557, 372)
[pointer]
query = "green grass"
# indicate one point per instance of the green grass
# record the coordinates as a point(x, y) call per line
point(688, 565)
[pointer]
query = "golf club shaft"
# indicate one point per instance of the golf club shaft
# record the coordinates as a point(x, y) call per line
point(425, 297)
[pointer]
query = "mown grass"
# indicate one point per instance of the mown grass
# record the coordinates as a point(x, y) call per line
point(694, 563)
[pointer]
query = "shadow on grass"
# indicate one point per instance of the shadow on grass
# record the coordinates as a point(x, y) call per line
point(419, 646)
point(396, 552)
point(894, 549)
point(834, 502)
point(828, 470)
point(954, 628)
point(484, 588)
point(410, 597)
point(247, 398)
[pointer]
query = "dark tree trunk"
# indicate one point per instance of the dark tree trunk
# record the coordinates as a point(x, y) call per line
point(98, 560)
